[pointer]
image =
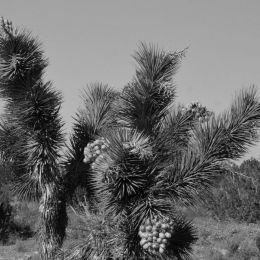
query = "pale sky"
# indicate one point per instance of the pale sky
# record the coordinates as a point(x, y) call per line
point(90, 41)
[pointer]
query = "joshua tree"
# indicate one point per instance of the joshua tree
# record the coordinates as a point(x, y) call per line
point(31, 133)
point(134, 155)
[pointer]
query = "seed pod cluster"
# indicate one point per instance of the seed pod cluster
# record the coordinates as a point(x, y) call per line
point(199, 112)
point(155, 234)
point(93, 151)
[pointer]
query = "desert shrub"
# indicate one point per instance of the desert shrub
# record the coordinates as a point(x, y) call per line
point(24, 221)
point(233, 246)
point(237, 194)
point(26, 216)
point(246, 251)
point(20, 247)
point(5, 221)
point(215, 254)
point(6, 215)
point(16, 220)
point(9, 226)
point(35, 257)
point(76, 226)
point(258, 242)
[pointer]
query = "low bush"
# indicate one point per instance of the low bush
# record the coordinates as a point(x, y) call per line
point(237, 194)
point(216, 255)
point(6, 215)
point(20, 247)
point(5, 221)
point(226, 240)
point(17, 220)
point(258, 242)
point(26, 216)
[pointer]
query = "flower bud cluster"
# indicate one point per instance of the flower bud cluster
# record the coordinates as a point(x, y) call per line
point(155, 234)
point(93, 152)
point(199, 112)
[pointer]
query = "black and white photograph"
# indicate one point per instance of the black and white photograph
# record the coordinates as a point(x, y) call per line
point(130, 130)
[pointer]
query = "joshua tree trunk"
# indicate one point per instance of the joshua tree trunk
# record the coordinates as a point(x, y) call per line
point(53, 221)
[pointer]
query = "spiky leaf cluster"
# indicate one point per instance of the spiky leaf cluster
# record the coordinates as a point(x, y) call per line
point(145, 100)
